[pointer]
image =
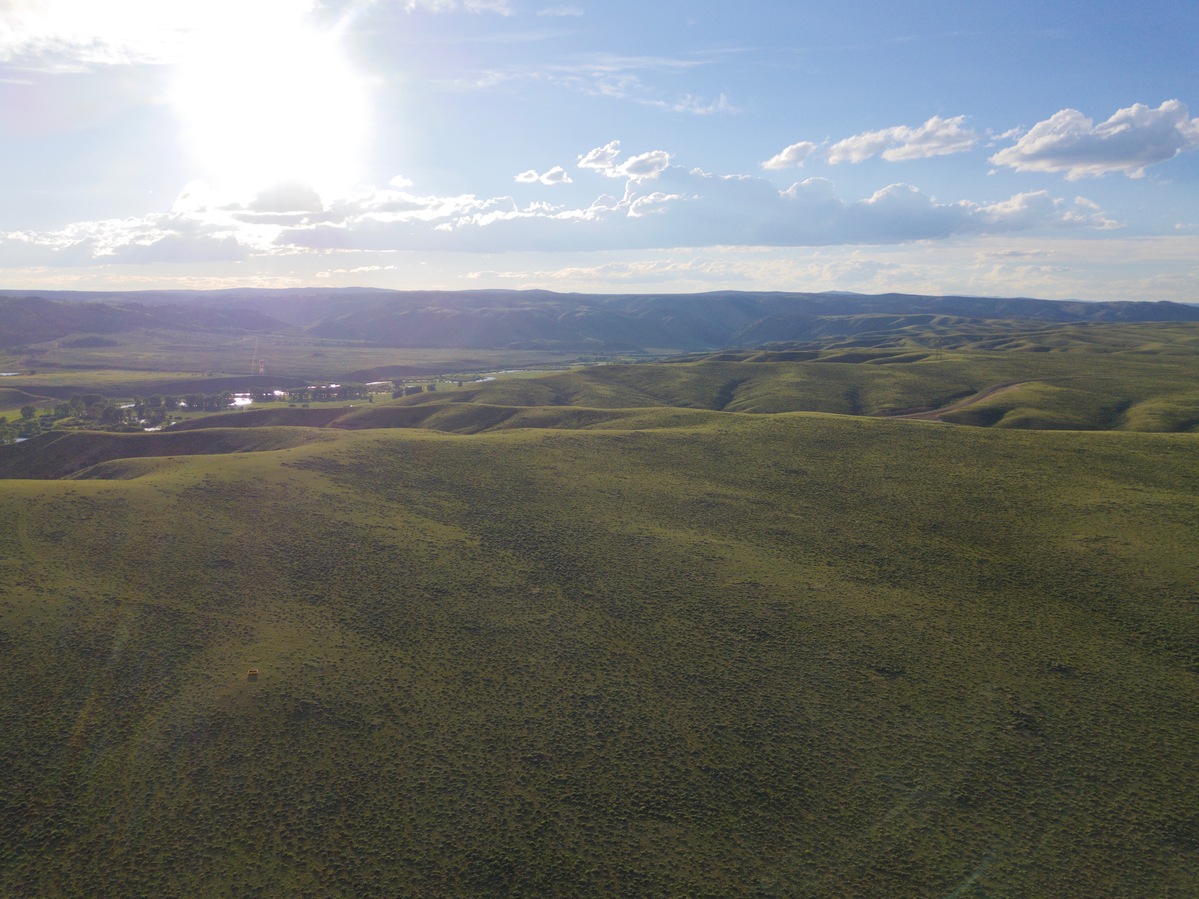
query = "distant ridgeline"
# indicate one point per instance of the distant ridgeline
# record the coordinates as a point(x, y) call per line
point(533, 319)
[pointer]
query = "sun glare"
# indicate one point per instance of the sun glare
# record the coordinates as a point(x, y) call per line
point(273, 104)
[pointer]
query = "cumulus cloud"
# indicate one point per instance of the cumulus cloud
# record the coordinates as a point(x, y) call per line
point(645, 166)
point(556, 175)
point(637, 168)
point(290, 197)
point(1128, 142)
point(156, 238)
point(793, 156)
point(936, 137)
point(601, 159)
point(662, 205)
point(680, 208)
point(178, 248)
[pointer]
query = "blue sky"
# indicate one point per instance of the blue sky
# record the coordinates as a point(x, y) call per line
point(933, 147)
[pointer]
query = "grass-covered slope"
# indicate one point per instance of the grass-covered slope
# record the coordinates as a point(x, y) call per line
point(1078, 377)
point(783, 655)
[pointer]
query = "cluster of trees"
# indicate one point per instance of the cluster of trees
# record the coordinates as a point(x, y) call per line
point(94, 407)
point(326, 392)
point(8, 431)
point(28, 425)
point(410, 389)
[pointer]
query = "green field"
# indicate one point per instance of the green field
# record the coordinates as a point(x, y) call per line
point(617, 631)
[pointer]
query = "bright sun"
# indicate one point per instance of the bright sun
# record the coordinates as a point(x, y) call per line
point(269, 105)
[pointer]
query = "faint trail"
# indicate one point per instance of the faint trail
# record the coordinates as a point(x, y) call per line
point(970, 881)
point(935, 414)
point(23, 542)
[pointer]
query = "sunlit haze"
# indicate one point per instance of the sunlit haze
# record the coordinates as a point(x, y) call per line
point(272, 103)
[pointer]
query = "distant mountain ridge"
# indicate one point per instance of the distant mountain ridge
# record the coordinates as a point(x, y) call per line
point(536, 319)
point(34, 319)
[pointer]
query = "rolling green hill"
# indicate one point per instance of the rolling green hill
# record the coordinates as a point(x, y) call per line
point(1093, 377)
point(636, 630)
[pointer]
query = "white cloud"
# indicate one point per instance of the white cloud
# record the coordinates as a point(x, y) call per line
point(356, 270)
point(158, 238)
point(637, 168)
point(287, 198)
point(1058, 266)
point(617, 77)
point(601, 159)
point(503, 7)
point(643, 167)
point(791, 157)
point(693, 105)
point(1029, 210)
point(665, 205)
point(556, 175)
point(936, 137)
point(1128, 142)
point(661, 206)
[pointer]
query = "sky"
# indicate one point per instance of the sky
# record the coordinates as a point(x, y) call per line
point(999, 149)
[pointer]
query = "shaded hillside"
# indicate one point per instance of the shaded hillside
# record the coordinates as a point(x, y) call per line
point(14, 398)
point(60, 454)
point(538, 319)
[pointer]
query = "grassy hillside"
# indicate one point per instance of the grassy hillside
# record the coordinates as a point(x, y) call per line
point(793, 655)
point(1083, 377)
